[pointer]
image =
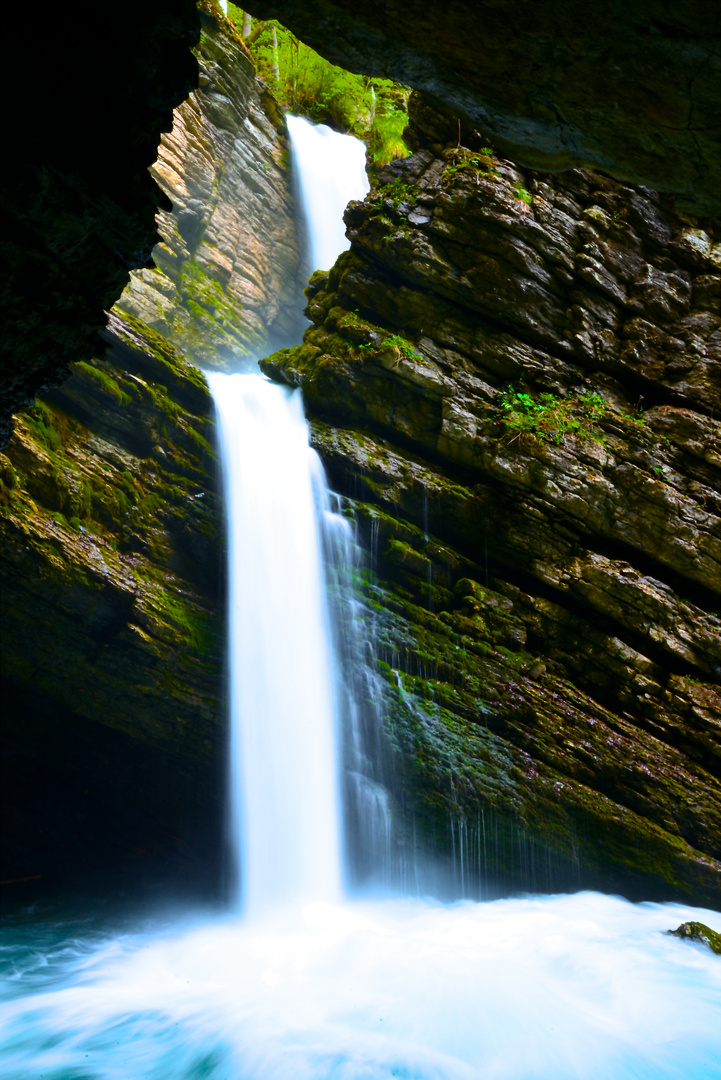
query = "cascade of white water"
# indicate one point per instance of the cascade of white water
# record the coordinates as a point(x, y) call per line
point(581, 987)
point(284, 799)
point(285, 814)
point(331, 172)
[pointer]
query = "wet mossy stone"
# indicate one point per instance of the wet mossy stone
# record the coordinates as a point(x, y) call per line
point(698, 931)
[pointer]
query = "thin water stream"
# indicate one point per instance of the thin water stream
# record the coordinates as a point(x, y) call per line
point(298, 981)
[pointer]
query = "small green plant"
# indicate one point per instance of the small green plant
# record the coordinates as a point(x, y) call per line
point(396, 192)
point(395, 341)
point(522, 194)
point(637, 415)
point(391, 341)
point(476, 164)
point(550, 417)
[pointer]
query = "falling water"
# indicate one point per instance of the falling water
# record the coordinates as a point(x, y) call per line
point(331, 170)
point(283, 758)
point(581, 987)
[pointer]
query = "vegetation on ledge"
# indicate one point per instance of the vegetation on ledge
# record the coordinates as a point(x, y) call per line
point(374, 110)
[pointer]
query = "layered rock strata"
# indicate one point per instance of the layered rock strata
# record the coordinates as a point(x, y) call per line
point(227, 283)
point(515, 380)
point(112, 622)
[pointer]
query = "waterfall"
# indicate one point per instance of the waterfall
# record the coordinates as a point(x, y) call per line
point(314, 987)
point(283, 757)
point(331, 172)
point(285, 814)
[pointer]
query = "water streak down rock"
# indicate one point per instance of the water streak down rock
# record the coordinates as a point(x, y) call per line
point(548, 567)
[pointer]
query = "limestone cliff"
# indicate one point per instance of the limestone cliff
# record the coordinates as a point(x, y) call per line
point(514, 378)
point(227, 283)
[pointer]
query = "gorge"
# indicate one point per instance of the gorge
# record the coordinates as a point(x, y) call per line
point(511, 379)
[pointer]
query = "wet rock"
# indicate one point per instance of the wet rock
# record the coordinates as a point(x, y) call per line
point(534, 470)
point(696, 931)
point(112, 621)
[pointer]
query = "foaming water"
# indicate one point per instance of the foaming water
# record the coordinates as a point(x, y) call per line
point(583, 987)
point(284, 801)
point(331, 172)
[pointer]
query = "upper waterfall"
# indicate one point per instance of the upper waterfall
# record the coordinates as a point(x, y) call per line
point(331, 172)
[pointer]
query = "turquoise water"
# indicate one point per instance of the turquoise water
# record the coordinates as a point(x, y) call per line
point(566, 987)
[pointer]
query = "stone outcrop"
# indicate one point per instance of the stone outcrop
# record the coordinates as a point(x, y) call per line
point(227, 283)
point(112, 622)
point(514, 378)
point(627, 88)
point(85, 95)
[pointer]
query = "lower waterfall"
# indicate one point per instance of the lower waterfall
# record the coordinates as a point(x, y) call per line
point(299, 980)
point(284, 805)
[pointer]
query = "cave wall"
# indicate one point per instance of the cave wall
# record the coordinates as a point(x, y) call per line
point(513, 377)
point(628, 88)
point(85, 95)
point(113, 626)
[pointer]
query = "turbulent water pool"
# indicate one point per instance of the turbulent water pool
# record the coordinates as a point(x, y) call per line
point(564, 987)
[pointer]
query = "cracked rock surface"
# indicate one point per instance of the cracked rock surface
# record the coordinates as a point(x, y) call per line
point(514, 378)
point(227, 283)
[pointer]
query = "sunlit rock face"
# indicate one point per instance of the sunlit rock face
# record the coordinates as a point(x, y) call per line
point(228, 277)
point(112, 623)
point(85, 96)
point(626, 88)
point(547, 566)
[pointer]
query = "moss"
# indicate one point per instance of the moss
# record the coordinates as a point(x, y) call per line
point(475, 164)
point(149, 344)
point(162, 401)
point(697, 931)
point(198, 440)
point(108, 384)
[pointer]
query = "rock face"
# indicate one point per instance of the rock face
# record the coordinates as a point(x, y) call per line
point(112, 622)
point(514, 378)
point(227, 283)
point(628, 88)
point(111, 533)
point(85, 96)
